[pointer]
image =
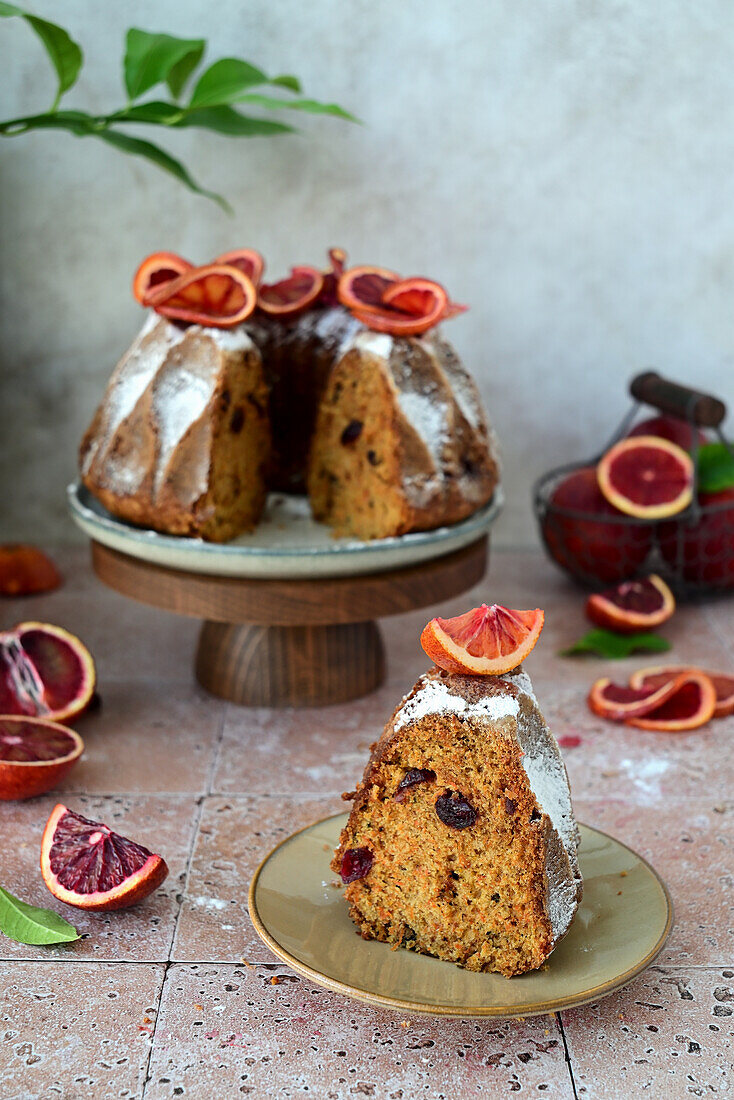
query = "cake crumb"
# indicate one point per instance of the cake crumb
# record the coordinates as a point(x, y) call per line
point(275, 980)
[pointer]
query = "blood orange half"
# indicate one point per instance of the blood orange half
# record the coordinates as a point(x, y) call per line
point(45, 672)
point(216, 295)
point(486, 641)
point(691, 705)
point(85, 864)
point(654, 675)
point(647, 476)
point(618, 702)
point(363, 287)
point(633, 605)
point(26, 570)
point(292, 295)
point(156, 269)
point(246, 260)
point(35, 755)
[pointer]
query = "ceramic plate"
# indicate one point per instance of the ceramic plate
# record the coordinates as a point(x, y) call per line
point(287, 543)
point(621, 925)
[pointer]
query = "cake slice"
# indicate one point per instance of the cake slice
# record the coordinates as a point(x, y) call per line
point(461, 842)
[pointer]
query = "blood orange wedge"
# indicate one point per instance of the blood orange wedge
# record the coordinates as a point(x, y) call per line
point(246, 260)
point(363, 287)
point(618, 702)
point(216, 295)
point(291, 295)
point(35, 755)
point(156, 269)
point(85, 864)
point(647, 477)
point(486, 641)
point(25, 570)
point(633, 605)
point(45, 672)
point(691, 705)
point(654, 675)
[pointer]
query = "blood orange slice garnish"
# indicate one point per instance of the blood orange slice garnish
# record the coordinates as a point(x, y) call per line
point(633, 605)
point(410, 308)
point(26, 570)
point(654, 675)
point(85, 864)
point(216, 295)
point(45, 672)
point(156, 269)
point(647, 476)
point(363, 287)
point(332, 275)
point(486, 641)
point(35, 755)
point(292, 295)
point(246, 260)
point(618, 702)
point(691, 704)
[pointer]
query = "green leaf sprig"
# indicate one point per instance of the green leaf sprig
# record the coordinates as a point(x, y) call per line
point(604, 643)
point(152, 60)
point(28, 924)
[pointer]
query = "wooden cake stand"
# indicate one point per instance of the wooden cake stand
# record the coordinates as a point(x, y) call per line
point(304, 642)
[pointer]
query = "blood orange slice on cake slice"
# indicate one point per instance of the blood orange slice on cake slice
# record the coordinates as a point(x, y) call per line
point(633, 605)
point(647, 476)
point(45, 672)
point(84, 863)
point(155, 270)
point(216, 295)
point(292, 295)
point(35, 755)
point(486, 641)
point(246, 260)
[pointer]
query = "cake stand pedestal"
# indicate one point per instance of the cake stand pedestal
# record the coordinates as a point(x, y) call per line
point(277, 643)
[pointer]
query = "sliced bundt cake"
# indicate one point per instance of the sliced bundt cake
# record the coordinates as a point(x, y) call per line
point(461, 842)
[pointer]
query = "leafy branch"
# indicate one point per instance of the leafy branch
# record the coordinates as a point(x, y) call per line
point(152, 60)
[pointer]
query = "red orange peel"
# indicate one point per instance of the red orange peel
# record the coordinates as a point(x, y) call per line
point(155, 270)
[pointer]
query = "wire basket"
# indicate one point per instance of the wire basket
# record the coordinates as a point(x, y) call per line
point(693, 550)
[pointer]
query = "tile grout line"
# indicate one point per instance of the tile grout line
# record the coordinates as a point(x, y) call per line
point(214, 763)
point(559, 1017)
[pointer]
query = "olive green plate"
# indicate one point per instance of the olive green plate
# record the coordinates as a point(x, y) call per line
point(621, 925)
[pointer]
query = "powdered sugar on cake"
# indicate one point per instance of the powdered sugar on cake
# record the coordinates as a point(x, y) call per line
point(434, 697)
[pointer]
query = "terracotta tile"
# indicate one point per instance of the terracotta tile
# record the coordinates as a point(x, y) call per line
point(142, 933)
point(147, 737)
point(670, 1033)
point(226, 1030)
point(76, 1030)
point(235, 834)
point(690, 843)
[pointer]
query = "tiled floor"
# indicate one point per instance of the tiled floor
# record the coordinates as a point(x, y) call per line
point(175, 998)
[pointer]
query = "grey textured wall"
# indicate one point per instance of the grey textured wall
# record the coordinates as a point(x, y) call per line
point(565, 166)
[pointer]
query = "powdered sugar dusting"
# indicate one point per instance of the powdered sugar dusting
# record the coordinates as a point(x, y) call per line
point(180, 398)
point(434, 697)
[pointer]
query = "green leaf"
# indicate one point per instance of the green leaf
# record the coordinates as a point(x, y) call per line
point(27, 924)
point(162, 159)
point(715, 468)
point(604, 643)
point(313, 106)
point(292, 83)
point(77, 122)
point(156, 112)
point(225, 120)
point(224, 81)
point(66, 56)
point(150, 59)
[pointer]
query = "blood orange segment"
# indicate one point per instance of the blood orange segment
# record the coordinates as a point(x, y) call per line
point(617, 702)
point(363, 287)
point(647, 477)
point(292, 295)
point(246, 260)
point(486, 641)
point(45, 672)
point(155, 270)
point(633, 605)
point(26, 570)
point(216, 295)
point(35, 755)
point(85, 864)
point(654, 675)
point(690, 706)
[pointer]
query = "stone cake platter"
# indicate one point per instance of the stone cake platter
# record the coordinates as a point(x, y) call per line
point(287, 544)
point(621, 925)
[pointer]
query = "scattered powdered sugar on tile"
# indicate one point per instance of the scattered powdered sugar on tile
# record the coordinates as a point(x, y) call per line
point(434, 697)
point(209, 903)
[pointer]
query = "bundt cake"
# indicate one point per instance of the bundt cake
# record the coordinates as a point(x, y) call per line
point(386, 433)
point(461, 842)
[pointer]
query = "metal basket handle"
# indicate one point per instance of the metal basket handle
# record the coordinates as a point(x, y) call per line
point(677, 400)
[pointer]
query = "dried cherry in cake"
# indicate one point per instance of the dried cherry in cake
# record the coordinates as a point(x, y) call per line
point(411, 779)
point(356, 864)
point(455, 811)
point(352, 432)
